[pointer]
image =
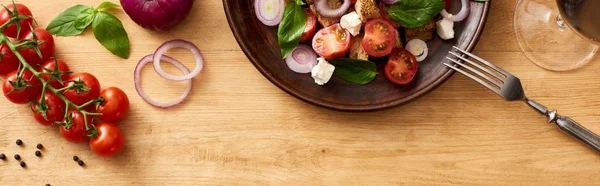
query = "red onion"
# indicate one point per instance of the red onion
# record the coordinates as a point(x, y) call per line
point(269, 12)
point(161, 15)
point(324, 10)
point(464, 12)
point(302, 59)
point(178, 44)
point(138, 87)
point(389, 2)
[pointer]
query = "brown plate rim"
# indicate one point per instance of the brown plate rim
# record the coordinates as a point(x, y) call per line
point(449, 72)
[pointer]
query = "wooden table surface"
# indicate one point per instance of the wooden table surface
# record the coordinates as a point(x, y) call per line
point(237, 128)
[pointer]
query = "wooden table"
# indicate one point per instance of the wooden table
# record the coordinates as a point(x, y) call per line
point(237, 128)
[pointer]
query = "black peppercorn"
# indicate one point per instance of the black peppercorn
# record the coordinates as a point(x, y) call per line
point(38, 153)
point(47, 184)
point(2, 157)
point(40, 146)
point(23, 164)
point(17, 157)
point(80, 163)
point(75, 158)
point(19, 142)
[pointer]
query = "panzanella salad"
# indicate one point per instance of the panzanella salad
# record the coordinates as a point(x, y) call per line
point(326, 37)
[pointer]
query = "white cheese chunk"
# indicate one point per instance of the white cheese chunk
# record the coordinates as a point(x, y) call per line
point(351, 22)
point(445, 29)
point(322, 72)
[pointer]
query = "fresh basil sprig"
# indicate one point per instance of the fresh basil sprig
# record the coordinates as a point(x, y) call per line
point(108, 29)
point(291, 27)
point(354, 70)
point(415, 13)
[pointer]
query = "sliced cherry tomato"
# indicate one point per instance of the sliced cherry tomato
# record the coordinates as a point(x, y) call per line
point(74, 131)
point(51, 65)
point(311, 26)
point(78, 95)
point(33, 87)
point(109, 142)
point(401, 67)
point(46, 47)
point(11, 30)
point(331, 42)
point(115, 106)
point(380, 37)
point(55, 108)
point(8, 60)
point(448, 4)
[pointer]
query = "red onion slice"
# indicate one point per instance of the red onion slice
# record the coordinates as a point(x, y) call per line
point(178, 44)
point(464, 12)
point(324, 10)
point(138, 87)
point(302, 59)
point(269, 12)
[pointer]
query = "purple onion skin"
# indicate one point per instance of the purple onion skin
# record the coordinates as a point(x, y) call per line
point(160, 15)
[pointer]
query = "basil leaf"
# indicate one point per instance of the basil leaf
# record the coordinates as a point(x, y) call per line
point(62, 25)
point(107, 5)
point(109, 31)
point(415, 13)
point(84, 19)
point(291, 28)
point(354, 70)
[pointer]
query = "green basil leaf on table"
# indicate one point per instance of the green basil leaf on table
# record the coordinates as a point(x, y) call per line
point(291, 28)
point(84, 19)
point(354, 70)
point(415, 13)
point(63, 24)
point(109, 31)
point(107, 5)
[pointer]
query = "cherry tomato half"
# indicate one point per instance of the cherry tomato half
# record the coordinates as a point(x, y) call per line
point(11, 30)
point(55, 110)
point(380, 37)
point(115, 106)
point(331, 42)
point(311, 26)
point(109, 142)
point(76, 132)
point(8, 60)
point(49, 66)
point(401, 67)
point(24, 95)
point(79, 97)
point(46, 48)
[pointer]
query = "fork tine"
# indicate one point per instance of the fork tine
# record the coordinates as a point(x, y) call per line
point(483, 61)
point(497, 91)
point(478, 66)
point(475, 71)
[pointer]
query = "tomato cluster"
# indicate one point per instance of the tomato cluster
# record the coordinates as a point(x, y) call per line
point(51, 89)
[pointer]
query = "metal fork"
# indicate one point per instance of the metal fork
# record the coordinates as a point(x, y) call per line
point(509, 87)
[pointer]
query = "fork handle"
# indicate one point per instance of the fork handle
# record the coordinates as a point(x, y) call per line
point(568, 126)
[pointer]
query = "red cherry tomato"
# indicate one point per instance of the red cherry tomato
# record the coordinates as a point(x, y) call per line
point(11, 30)
point(76, 132)
point(448, 4)
point(82, 96)
point(8, 60)
point(115, 106)
point(311, 26)
point(401, 67)
point(49, 66)
point(109, 142)
point(24, 95)
point(331, 42)
point(55, 109)
point(380, 37)
point(46, 48)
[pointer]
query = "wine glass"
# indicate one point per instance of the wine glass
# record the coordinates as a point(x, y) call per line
point(558, 35)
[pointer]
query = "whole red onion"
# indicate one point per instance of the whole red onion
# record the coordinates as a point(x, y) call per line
point(161, 15)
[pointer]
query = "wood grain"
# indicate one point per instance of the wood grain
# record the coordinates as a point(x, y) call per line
point(237, 128)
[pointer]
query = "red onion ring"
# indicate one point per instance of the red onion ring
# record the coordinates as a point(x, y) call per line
point(302, 59)
point(178, 44)
point(464, 12)
point(138, 87)
point(268, 19)
point(324, 10)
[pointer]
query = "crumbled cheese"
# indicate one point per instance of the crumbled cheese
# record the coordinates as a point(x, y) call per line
point(322, 72)
point(445, 29)
point(352, 23)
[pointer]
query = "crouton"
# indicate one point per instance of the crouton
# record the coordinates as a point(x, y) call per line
point(324, 21)
point(424, 33)
point(356, 49)
point(398, 42)
point(367, 9)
